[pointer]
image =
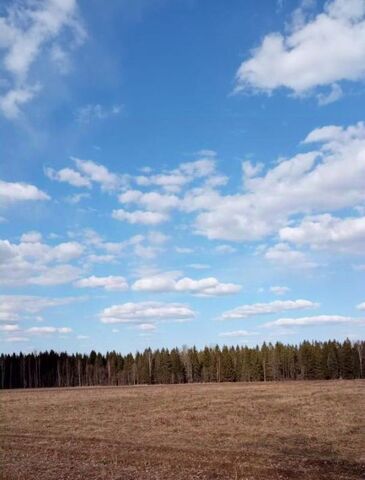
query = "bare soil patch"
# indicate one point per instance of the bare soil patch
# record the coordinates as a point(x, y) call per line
point(294, 430)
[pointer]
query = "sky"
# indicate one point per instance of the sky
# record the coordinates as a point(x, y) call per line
point(181, 172)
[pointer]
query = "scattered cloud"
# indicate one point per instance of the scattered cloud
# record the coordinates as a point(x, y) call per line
point(68, 175)
point(284, 256)
point(140, 312)
point(238, 334)
point(328, 232)
point(246, 311)
point(279, 290)
point(27, 29)
point(88, 113)
point(110, 283)
point(225, 249)
point(312, 321)
point(361, 306)
point(48, 330)
point(309, 57)
point(14, 307)
point(34, 263)
point(17, 192)
point(151, 201)
point(205, 287)
point(140, 216)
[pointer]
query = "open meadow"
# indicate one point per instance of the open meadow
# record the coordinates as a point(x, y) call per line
point(301, 430)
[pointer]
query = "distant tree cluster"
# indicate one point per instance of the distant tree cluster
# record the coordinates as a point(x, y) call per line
point(307, 361)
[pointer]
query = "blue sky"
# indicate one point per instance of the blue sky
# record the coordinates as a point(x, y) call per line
point(181, 172)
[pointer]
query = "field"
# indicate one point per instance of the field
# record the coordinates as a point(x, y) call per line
point(298, 430)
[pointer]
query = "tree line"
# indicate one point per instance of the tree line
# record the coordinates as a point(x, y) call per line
point(306, 361)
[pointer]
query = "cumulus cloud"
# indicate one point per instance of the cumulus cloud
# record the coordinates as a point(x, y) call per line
point(68, 175)
point(9, 328)
point(26, 30)
point(328, 232)
point(87, 173)
point(324, 180)
point(57, 275)
point(246, 311)
point(34, 263)
point(283, 255)
point(205, 287)
point(151, 201)
point(146, 311)
point(98, 173)
point(32, 237)
point(312, 321)
point(15, 192)
point(14, 307)
point(361, 306)
point(140, 216)
point(279, 290)
point(173, 181)
point(317, 52)
point(109, 283)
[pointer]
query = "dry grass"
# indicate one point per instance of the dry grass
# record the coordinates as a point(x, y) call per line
point(308, 430)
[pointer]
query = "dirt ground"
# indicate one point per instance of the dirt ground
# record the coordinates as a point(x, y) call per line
point(296, 430)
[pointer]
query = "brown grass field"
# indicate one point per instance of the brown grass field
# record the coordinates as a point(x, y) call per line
point(298, 430)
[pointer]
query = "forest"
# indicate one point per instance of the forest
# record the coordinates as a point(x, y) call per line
point(279, 362)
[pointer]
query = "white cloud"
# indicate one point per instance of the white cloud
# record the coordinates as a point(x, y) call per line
point(174, 180)
point(48, 330)
point(157, 238)
point(9, 328)
point(98, 174)
point(17, 339)
point(12, 101)
point(225, 249)
point(323, 180)
point(90, 112)
point(33, 263)
point(279, 290)
point(312, 321)
point(284, 256)
point(151, 311)
point(31, 237)
point(12, 192)
point(26, 30)
point(14, 307)
point(198, 266)
point(183, 250)
point(328, 232)
point(68, 175)
point(140, 216)
point(246, 311)
point(109, 283)
point(88, 172)
point(58, 275)
point(167, 282)
point(331, 97)
point(76, 198)
point(237, 334)
point(100, 258)
point(317, 52)
point(151, 201)
point(361, 306)
point(146, 327)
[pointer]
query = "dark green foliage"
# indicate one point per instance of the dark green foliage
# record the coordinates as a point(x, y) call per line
point(307, 361)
